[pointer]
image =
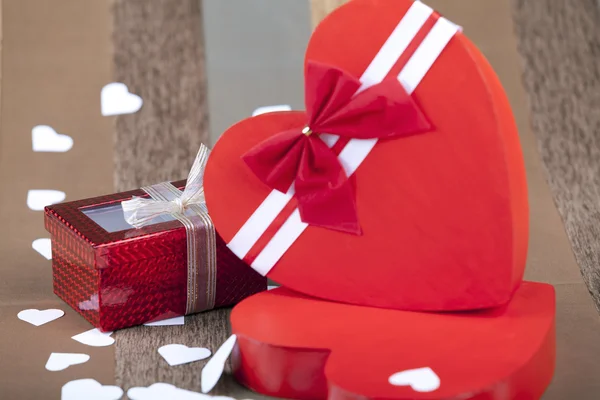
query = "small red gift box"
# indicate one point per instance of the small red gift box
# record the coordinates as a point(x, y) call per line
point(118, 276)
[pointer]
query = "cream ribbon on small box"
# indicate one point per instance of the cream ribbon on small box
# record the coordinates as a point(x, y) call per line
point(189, 207)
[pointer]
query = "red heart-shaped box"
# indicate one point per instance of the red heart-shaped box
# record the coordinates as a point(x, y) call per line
point(292, 346)
point(444, 213)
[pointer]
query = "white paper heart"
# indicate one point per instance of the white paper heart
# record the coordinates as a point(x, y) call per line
point(45, 138)
point(89, 389)
point(40, 317)
point(177, 354)
point(212, 371)
point(115, 99)
point(37, 199)
point(419, 379)
point(271, 287)
point(167, 322)
point(61, 361)
point(270, 109)
point(94, 338)
point(43, 246)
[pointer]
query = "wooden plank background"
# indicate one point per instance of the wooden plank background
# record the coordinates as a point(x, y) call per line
point(55, 60)
point(320, 8)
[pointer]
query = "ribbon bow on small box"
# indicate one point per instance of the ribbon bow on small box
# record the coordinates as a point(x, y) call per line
point(141, 211)
point(336, 103)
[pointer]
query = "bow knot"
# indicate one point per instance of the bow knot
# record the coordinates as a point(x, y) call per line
point(179, 206)
point(307, 131)
point(336, 103)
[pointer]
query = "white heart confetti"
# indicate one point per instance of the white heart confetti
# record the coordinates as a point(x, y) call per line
point(177, 354)
point(419, 379)
point(45, 138)
point(90, 389)
point(212, 371)
point(43, 246)
point(61, 361)
point(167, 322)
point(115, 99)
point(94, 338)
point(270, 109)
point(37, 199)
point(37, 317)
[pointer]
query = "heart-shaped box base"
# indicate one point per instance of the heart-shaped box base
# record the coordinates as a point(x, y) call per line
point(293, 346)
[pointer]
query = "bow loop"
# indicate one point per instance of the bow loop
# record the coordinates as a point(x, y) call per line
point(194, 186)
point(277, 161)
point(327, 91)
point(336, 103)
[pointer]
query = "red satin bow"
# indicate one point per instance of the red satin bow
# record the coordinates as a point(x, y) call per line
point(325, 196)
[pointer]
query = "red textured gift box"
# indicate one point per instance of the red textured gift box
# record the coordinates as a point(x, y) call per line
point(118, 276)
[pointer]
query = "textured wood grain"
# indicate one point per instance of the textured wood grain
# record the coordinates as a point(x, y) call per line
point(55, 59)
point(320, 8)
point(159, 55)
point(560, 45)
point(1, 2)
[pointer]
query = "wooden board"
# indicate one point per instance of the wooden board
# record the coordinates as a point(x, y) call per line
point(320, 8)
point(55, 60)
point(159, 54)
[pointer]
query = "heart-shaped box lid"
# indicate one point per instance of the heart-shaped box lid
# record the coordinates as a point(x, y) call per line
point(443, 213)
